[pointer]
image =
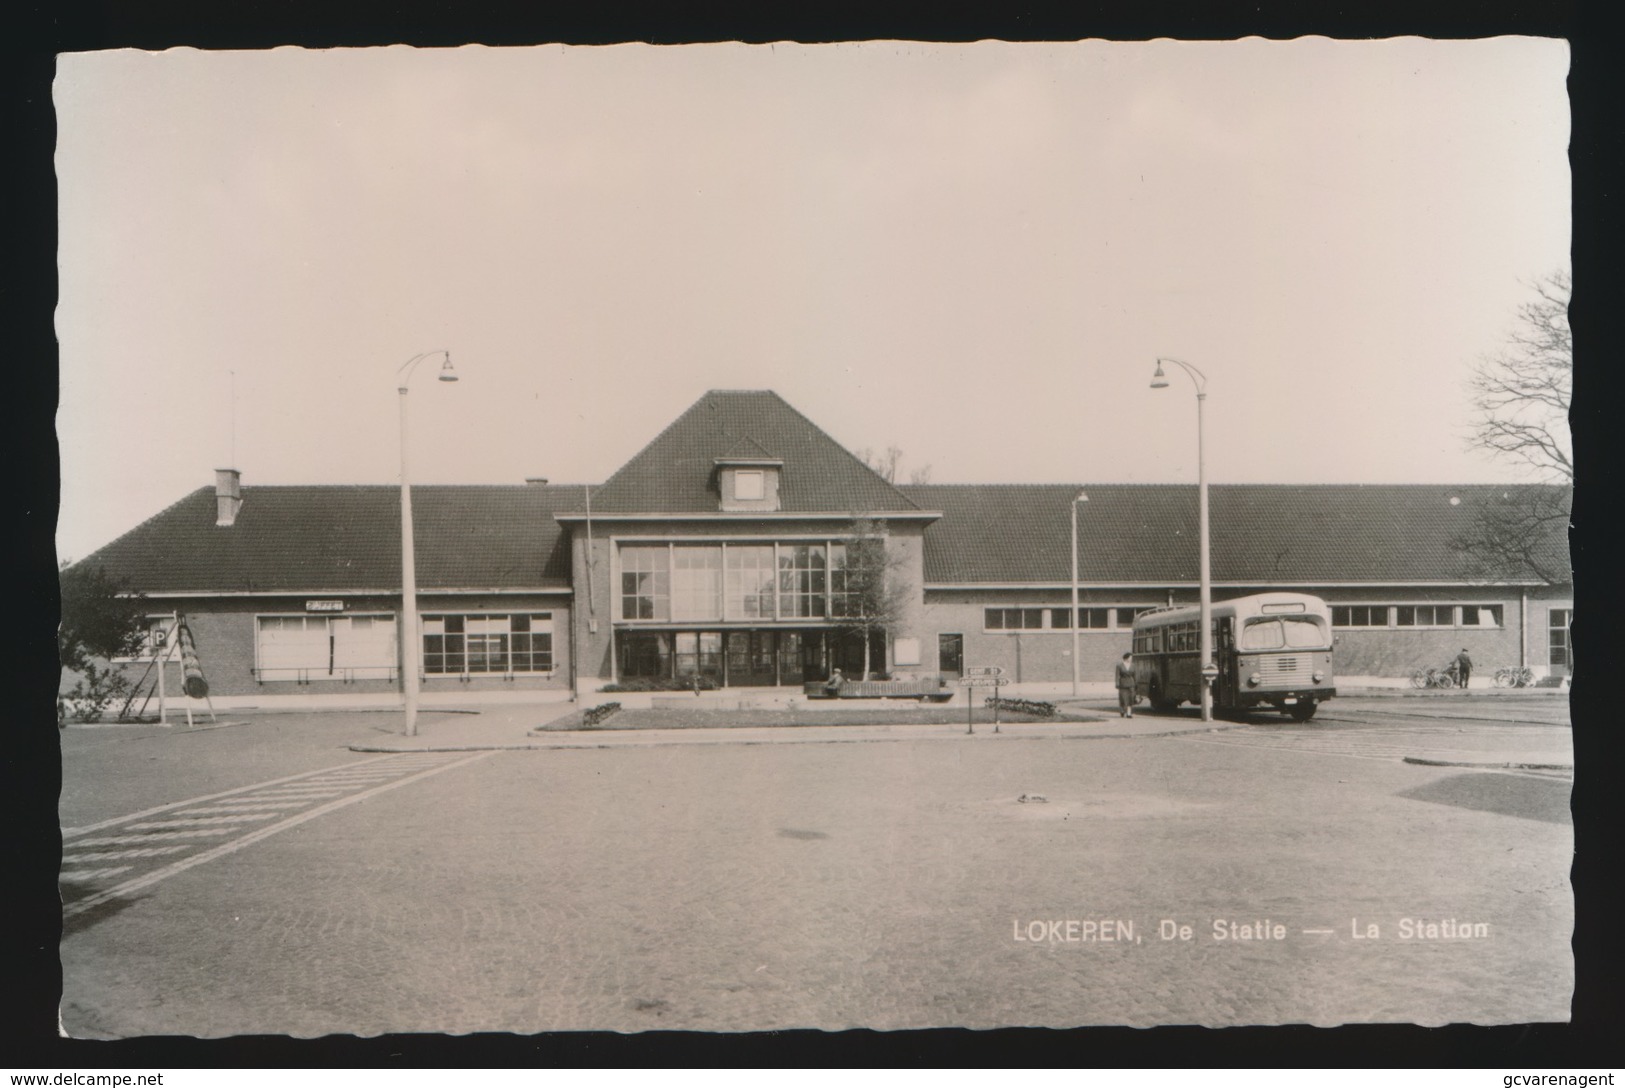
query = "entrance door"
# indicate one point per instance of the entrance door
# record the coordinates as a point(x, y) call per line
point(1224, 644)
point(1558, 655)
point(750, 659)
point(951, 656)
point(699, 653)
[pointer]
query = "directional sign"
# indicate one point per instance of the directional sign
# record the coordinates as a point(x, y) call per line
point(984, 670)
point(983, 681)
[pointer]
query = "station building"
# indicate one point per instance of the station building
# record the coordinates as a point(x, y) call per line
point(724, 550)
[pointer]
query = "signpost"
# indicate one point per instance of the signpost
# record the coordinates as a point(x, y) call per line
point(981, 676)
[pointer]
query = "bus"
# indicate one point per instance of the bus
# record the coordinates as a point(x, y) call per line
point(1272, 649)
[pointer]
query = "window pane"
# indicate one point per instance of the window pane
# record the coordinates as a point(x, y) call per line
point(1304, 632)
point(1262, 635)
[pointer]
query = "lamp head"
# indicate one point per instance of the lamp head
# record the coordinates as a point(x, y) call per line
point(1082, 497)
point(1159, 380)
point(447, 374)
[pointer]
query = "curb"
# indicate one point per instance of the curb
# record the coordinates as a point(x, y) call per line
point(1418, 760)
point(673, 738)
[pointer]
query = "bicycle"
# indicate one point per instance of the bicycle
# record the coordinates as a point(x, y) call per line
point(1434, 678)
point(1514, 676)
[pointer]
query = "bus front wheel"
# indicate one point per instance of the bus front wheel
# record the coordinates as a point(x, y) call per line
point(1159, 703)
point(1302, 710)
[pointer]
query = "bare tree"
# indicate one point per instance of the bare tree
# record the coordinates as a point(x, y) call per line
point(1518, 535)
point(888, 464)
point(1521, 393)
point(884, 464)
point(1521, 398)
point(868, 593)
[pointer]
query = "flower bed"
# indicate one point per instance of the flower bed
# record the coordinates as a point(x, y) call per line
point(1035, 707)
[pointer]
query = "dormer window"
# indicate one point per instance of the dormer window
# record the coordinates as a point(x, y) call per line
point(747, 478)
point(749, 485)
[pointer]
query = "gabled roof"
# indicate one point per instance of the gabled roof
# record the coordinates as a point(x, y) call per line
point(674, 474)
point(1261, 534)
point(332, 538)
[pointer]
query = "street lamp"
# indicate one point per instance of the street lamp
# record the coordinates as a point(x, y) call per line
point(409, 573)
point(1080, 497)
point(1159, 380)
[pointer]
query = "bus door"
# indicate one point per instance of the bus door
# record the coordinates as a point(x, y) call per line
point(1226, 688)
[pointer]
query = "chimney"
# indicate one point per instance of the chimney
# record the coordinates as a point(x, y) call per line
point(228, 496)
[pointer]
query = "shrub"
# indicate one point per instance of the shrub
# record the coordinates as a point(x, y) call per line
point(1022, 706)
point(96, 690)
point(592, 716)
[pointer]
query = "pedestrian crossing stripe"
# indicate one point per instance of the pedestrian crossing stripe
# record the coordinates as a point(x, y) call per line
point(242, 810)
point(251, 836)
point(303, 777)
point(237, 806)
point(76, 875)
point(244, 818)
point(150, 836)
point(114, 855)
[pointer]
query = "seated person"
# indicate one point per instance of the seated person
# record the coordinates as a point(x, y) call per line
point(833, 685)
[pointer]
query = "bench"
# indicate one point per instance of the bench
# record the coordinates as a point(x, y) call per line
point(930, 688)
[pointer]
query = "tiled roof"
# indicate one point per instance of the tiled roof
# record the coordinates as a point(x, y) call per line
point(349, 538)
point(1261, 534)
point(674, 474)
point(306, 539)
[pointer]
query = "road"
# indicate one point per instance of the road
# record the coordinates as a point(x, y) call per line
point(261, 878)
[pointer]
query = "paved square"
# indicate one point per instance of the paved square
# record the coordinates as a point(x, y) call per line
point(888, 885)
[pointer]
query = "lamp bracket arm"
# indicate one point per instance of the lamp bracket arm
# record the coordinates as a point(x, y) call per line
point(406, 368)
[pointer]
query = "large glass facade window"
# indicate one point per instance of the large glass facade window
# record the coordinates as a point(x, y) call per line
point(645, 583)
point(696, 582)
point(802, 578)
point(749, 580)
point(484, 644)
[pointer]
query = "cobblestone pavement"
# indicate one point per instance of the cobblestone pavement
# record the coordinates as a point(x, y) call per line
point(890, 885)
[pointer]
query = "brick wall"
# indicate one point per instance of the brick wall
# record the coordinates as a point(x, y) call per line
point(224, 631)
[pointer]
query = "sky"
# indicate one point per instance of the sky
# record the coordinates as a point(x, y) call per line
point(975, 253)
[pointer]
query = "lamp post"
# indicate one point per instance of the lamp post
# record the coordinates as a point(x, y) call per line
point(409, 573)
point(1159, 380)
point(1080, 497)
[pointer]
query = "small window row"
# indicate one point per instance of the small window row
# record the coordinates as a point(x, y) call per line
point(1417, 615)
point(1093, 618)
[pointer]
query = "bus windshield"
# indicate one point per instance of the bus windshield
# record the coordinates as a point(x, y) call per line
point(1284, 632)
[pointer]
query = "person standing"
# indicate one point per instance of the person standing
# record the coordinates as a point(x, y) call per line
point(1126, 695)
point(1464, 668)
